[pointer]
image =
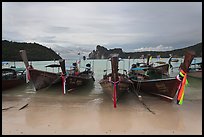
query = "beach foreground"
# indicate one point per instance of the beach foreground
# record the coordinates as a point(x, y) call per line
point(90, 111)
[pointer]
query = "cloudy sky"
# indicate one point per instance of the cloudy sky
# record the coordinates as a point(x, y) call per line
point(71, 27)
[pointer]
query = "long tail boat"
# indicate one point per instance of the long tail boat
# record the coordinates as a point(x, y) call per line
point(160, 66)
point(195, 70)
point(157, 83)
point(115, 83)
point(39, 78)
point(12, 77)
point(72, 79)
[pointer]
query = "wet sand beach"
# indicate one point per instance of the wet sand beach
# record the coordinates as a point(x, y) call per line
point(90, 111)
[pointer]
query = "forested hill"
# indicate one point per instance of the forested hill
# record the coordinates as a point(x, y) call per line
point(104, 53)
point(35, 52)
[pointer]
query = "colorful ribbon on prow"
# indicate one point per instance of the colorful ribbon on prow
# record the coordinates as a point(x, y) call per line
point(182, 85)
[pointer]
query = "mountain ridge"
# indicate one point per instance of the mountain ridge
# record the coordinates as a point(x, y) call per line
point(104, 53)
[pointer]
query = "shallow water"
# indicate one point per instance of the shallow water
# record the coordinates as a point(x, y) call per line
point(90, 111)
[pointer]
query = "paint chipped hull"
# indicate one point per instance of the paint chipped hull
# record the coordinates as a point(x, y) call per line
point(165, 88)
point(43, 79)
point(79, 81)
point(12, 77)
point(108, 87)
point(8, 84)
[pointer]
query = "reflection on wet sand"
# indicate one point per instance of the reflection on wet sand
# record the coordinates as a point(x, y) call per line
point(168, 117)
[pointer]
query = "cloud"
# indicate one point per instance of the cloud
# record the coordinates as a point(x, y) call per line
point(157, 48)
point(57, 29)
point(131, 26)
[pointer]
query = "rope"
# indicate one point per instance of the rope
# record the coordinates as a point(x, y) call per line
point(138, 85)
point(140, 98)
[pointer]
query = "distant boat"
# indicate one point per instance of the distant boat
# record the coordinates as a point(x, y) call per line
point(174, 60)
point(12, 77)
point(142, 67)
point(195, 70)
point(40, 79)
point(155, 82)
point(115, 83)
point(4, 63)
point(72, 79)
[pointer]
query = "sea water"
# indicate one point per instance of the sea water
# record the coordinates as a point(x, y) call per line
point(100, 65)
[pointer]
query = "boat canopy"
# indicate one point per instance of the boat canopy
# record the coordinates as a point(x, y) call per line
point(53, 65)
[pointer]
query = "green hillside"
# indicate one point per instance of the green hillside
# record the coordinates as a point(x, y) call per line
point(35, 52)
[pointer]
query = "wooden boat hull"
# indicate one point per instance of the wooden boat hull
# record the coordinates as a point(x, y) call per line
point(163, 68)
point(161, 84)
point(40, 79)
point(121, 87)
point(166, 88)
point(115, 84)
point(43, 79)
point(12, 77)
point(78, 81)
point(72, 79)
point(8, 84)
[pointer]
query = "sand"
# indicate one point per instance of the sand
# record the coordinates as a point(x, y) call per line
point(91, 112)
